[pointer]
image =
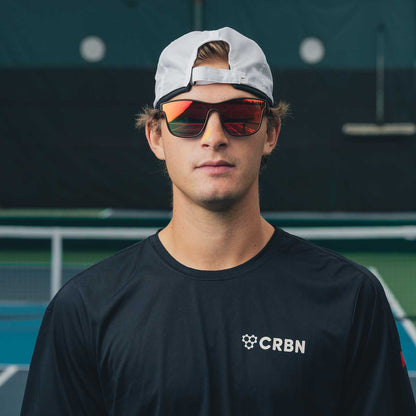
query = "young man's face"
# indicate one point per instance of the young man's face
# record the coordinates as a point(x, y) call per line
point(213, 188)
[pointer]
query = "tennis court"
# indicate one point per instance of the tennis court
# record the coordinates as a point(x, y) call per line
point(80, 181)
point(25, 275)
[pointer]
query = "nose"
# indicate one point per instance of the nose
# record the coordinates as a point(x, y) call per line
point(214, 135)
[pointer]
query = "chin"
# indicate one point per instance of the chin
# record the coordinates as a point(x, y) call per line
point(220, 204)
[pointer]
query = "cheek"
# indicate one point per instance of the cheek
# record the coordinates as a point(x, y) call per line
point(254, 151)
point(177, 159)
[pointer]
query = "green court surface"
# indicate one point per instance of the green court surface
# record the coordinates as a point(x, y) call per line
point(398, 271)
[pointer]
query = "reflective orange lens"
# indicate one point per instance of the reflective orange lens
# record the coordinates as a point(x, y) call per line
point(239, 117)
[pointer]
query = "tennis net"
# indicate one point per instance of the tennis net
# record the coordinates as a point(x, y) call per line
point(36, 261)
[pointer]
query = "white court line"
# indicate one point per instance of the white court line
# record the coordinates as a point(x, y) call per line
point(396, 307)
point(20, 367)
point(8, 373)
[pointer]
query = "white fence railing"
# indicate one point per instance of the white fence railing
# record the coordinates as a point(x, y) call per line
point(57, 234)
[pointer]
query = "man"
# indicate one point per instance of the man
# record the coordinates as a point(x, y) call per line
point(219, 313)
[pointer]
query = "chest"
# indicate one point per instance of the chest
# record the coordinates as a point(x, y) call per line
point(229, 352)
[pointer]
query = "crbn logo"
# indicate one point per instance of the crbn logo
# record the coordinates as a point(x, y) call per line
point(249, 341)
point(275, 344)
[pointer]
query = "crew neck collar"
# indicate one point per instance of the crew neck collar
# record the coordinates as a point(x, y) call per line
point(223, 274)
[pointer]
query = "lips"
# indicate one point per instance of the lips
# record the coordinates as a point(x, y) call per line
point(216, 167)
point(215, 163)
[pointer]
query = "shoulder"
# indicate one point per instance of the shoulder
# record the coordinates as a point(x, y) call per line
point(329, 277)
point(326, 264)
point(103, 280)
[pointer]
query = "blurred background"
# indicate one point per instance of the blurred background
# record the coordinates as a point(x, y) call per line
point(78, 181)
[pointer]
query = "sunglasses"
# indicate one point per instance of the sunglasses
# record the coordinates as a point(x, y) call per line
point(239, 117)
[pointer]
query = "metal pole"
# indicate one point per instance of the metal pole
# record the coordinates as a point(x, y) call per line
point(56, 263)
point(380, 74)
point(197, 14)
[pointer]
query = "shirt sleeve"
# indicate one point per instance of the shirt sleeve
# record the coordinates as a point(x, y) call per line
point(63, 378)
point(376, 380)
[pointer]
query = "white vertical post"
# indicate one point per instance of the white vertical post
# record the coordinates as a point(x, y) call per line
point(56, 262)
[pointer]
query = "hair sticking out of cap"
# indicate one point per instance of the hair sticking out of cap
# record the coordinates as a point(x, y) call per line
point(216, 50)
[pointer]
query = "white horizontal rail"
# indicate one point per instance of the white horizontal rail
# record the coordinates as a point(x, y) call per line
point(75, 232)
point(346, 232)
point(407, 232)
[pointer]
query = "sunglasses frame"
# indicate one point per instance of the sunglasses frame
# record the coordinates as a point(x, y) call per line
point(266, 106)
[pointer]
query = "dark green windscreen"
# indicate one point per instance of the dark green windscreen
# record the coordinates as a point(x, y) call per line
point(49, 32)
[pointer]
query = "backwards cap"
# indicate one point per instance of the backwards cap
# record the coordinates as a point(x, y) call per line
point(249, 70)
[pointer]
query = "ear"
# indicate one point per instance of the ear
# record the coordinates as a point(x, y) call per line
point(154, 138)
point(271, 139)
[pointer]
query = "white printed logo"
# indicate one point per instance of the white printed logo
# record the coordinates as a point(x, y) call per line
point(275, 344)
point(249, 341)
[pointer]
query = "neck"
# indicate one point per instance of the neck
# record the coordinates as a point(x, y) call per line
point(215, 240)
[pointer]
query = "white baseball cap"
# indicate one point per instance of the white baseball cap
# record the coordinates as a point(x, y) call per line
point(249, 70)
